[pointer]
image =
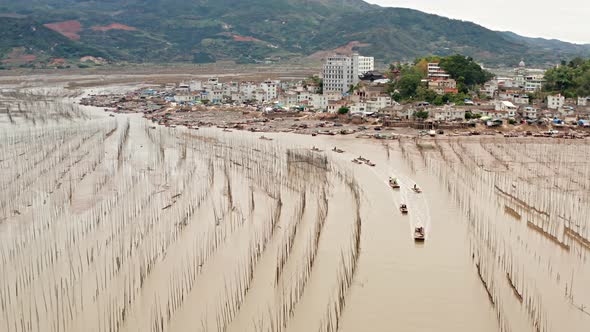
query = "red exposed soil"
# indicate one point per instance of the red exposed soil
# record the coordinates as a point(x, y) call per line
point(57, 62)
point(343, 50)
point(113, 26)
point(245, 38)
point(17, 56)
point(238, 38)
point(70, 29)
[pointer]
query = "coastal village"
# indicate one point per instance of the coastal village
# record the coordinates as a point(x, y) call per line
point(349, 96)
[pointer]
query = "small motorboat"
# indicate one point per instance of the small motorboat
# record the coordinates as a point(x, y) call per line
point(356, 161)
point(112, 115)
point(362, 159)
point(227, 130)
point(393, 183)
point(416, 189)
point(403, 208)
point(315, 149)
point(368, 162)
point(265, 138)
point(337, 150)
point(419, 234)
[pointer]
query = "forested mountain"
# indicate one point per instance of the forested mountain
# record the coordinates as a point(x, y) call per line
point(167, 31)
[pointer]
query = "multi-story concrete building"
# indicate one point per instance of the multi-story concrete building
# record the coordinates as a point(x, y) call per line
point(534, 82)
point(436, 72)
point(340, 73)
point(366, 64)
point(270, 89)
point(555, 102)
point(443, 86)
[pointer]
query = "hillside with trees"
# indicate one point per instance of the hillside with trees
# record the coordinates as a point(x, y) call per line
point(572, 79)
point(409, 86)
point(249, 31)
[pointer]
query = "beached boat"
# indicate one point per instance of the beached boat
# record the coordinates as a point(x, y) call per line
point(403, 208)
point(419, 234)
point(337, 150)
point(393, 183)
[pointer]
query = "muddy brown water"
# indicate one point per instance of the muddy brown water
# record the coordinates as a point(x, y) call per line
point(109, 225)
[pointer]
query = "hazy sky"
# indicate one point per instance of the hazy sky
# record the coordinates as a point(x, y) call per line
point(568, 20)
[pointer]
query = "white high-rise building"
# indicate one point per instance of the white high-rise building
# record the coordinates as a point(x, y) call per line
point(366, 64)
point(340, 72)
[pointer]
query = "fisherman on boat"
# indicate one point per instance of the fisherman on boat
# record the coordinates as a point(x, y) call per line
point(416, 189)
point(393, 183)
point(419, 234)
point(403, 208)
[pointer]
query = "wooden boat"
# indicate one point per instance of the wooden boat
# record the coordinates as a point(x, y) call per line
point(337, 150)
point(419, 234)
point(417, 190)
point(315, 149)
point(265, 138)
point(393, 183)
point(403, 208)
point(314, 134)
point(356, 161)
point(368, 162)
point(227, 130)
point(362, 159)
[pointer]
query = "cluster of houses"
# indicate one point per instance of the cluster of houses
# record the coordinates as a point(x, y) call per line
point(351, 82)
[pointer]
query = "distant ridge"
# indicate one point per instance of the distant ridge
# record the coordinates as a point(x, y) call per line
point(168, 31)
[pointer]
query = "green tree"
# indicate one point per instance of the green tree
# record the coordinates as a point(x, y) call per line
point(439, 100)
point(571, 79)
point(465, 70)
point(343, 110)
point(408, 83)
point(422, 115)
point(425, 94)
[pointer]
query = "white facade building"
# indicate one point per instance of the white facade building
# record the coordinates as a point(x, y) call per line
point(448, 113)
point(270, 89)
point(340, 73)
point(366, 64)
point(435, 72)
point(319, 102)
point(508, 107)
point(534, 83)
point(555, 102)
point(196, 85)
point(374, 105)
point(521, 99)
